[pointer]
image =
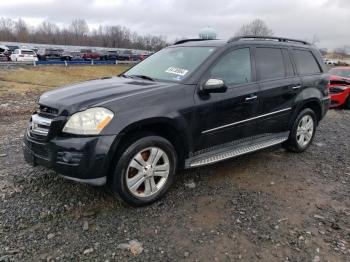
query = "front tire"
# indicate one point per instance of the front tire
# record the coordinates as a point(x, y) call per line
point(302, 132)
point(145, 170)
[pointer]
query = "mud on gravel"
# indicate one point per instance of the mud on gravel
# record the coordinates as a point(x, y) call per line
point(267, 206)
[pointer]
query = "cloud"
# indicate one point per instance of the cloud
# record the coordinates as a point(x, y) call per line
point(328, 19)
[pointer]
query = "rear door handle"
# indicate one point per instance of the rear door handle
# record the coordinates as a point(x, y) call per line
point(251, 98)
point(296, 87)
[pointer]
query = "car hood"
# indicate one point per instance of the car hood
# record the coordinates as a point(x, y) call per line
point(82, 95)
point(334, 77)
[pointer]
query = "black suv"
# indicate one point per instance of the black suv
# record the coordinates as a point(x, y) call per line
point(192, 104)
point(49, 54)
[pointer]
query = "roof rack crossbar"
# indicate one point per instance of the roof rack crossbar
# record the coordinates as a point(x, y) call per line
point(279, 39)
point(190, 40)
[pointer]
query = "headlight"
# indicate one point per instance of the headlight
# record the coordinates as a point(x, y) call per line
point(88, 122)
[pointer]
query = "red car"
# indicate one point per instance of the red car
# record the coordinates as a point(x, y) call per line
point(88, 54)
point(339, 87)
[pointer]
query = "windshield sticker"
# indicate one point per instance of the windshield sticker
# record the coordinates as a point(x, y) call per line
point(176, 71)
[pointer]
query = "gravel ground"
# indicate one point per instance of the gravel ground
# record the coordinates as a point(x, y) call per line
point(267, 206)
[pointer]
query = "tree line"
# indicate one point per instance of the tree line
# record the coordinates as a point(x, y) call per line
point(78, 33)
point(115, 36)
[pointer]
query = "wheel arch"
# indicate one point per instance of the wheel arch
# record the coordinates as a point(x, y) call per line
point(161, 126)
point(312, 103)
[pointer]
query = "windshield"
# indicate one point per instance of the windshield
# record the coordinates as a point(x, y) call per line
point(171, 64)
point(340, 72)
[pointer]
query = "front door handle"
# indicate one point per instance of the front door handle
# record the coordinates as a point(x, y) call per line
point(296, 87)
point(251, 98)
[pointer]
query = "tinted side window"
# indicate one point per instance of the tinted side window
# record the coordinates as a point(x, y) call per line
point(234, 67)
point(306, 62)
point(269, 63)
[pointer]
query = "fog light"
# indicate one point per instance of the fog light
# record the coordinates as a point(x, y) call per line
point(67, 157)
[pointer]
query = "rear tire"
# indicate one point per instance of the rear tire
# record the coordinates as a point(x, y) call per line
point(145, 170)
point(302, 132)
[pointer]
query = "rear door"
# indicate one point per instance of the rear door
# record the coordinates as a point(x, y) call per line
point(307, 67)
point(279, 86)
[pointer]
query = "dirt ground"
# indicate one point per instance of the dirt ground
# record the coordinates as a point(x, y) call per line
point(271, 205)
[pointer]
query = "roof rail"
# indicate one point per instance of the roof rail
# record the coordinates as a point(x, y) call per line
point(274, 38)
point(190, 40)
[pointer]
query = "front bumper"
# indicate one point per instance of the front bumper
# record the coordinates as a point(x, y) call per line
point(83, 159)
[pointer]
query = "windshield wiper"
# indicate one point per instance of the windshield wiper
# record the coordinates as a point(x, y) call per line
point(125, 76)
point(142, 77)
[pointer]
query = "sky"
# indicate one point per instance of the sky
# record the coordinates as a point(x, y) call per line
point(329, 20)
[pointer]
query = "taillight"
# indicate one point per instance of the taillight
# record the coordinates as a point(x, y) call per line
point(129, 57)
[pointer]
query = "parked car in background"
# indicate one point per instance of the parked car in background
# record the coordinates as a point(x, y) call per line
point(24, 55)
point(70, 55)
point(48, 54)
point(88, 54)
point(10, 50)
point(144, 56)
point(128, 55)
point(3, 53)
point(3, 57)
point(191, 104)
point(342, 63)
point(339, 87)
point(330, 62)
point(109, 55)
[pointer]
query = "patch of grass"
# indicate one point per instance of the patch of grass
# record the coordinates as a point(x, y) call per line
point(40, 79)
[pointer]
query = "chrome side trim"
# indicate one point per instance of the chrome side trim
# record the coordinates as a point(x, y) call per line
point(246, 120)
point(237, 152)
point(94, 182)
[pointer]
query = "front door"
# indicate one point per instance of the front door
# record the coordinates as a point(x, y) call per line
point(225, 117)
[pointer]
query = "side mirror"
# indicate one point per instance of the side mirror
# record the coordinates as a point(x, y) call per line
point(214, 86)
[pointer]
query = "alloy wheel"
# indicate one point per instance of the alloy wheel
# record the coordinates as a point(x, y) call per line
point(147, 172)
point(305, 130)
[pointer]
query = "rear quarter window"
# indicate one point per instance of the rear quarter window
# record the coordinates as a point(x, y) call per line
point(27, 52)
point(306, 62)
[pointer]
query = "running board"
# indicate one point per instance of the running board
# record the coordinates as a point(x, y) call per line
point(235, 149)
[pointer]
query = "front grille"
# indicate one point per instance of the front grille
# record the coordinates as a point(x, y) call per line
point(47, 112)
point(333, 102)
point(336, 90)
point(39, 127)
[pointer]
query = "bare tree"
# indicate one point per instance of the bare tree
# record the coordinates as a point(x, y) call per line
point(6, 29)
point(256, 28)
point(323, 51)
point(79, 29)
point(315, 40)
point(21, 30)
point(342, 52)
point(47, 32)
